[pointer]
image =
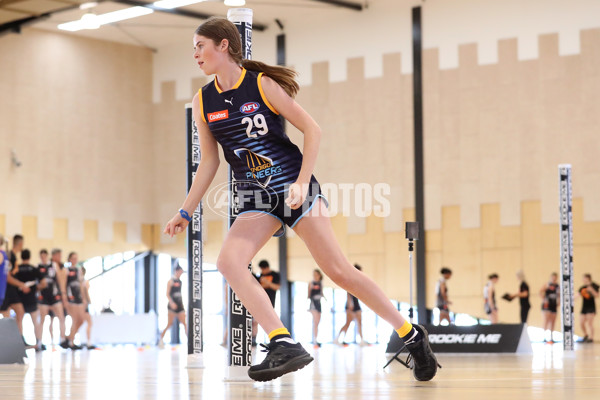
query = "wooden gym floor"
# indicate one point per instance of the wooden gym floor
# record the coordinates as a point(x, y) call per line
point(127, 372)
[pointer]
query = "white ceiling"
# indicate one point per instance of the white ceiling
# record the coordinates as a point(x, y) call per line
point(159, 29)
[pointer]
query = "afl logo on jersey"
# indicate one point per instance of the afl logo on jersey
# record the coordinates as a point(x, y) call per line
point(218, 115)
point(249, 107)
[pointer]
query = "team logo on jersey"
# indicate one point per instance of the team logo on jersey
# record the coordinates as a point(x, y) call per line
point(261, 167)
point(218, 115)
point(249, 107)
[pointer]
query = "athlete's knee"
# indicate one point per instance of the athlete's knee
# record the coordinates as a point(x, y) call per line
point(340, 276)
point(227, 265)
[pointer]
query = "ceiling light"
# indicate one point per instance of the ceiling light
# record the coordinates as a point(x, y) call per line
point(235, 3)
point(170, 4)
point(85, 6)
point(104, 19)
point(90, 21)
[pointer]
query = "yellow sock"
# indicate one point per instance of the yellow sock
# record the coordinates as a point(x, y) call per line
point(404, 329)
point(279, 331)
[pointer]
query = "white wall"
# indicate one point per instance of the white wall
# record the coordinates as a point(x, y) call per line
point(385, 27)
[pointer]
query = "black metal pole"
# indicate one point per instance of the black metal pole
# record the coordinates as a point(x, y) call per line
point(286, 285)
point(418, 158)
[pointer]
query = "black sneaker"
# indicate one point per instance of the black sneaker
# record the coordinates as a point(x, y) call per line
point(280, 360)
point(421, 359)
point(75, 347)
point(65, 344)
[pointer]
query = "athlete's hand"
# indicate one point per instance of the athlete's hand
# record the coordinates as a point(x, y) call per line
point(26, 289)
point(296, 195)
point(176, 225)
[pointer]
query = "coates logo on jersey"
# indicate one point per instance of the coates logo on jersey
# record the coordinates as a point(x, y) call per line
point(249, 107)
point(218, 115)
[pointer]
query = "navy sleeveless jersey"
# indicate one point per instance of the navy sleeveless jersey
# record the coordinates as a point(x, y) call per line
point(249, 130)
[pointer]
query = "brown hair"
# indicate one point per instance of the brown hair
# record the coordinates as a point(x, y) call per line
point(320, 273)
point(218, 29)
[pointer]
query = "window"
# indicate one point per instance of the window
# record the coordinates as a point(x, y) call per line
point(109, 286)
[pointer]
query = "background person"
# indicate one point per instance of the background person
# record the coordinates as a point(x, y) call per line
point(31, 277)
point(441, 291)
point(550, 294)
point(588, 292)
point(4, 268)
point(489, 298)
point(175, 307)
point(270, 281)
point(87, 318)
point(523, 296)
point(59, 309)
point(353, 313)
point(49, 298)
point(12, 299)
point(73, 300)
point(315, 294)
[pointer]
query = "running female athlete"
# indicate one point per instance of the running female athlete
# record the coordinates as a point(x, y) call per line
point(240, 111)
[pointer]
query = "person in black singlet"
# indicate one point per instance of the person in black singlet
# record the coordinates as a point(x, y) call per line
point(550, 294)
point(12, 299)
point(4, 268)
point(32, 278)
point(489, 298)
point(240, 110)
point(315, 294)
point(441, 293)
point(353, 313)
point(49, 298)
point(59, 309)
point(588, 293)
point(75, 306)
point(523, 296)
point(175, 307)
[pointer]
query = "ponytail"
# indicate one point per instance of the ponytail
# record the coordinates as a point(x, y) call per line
point(285, 77)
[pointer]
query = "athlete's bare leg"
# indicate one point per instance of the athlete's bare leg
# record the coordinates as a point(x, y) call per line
point(317, 233)
point(316, 320)
point(59, 312)
point(181, 318)
point(248, 234)
point(170, 319)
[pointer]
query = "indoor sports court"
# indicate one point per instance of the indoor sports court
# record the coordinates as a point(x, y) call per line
point(299, 199)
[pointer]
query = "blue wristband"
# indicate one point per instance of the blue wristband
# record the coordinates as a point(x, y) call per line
point(185, 215)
